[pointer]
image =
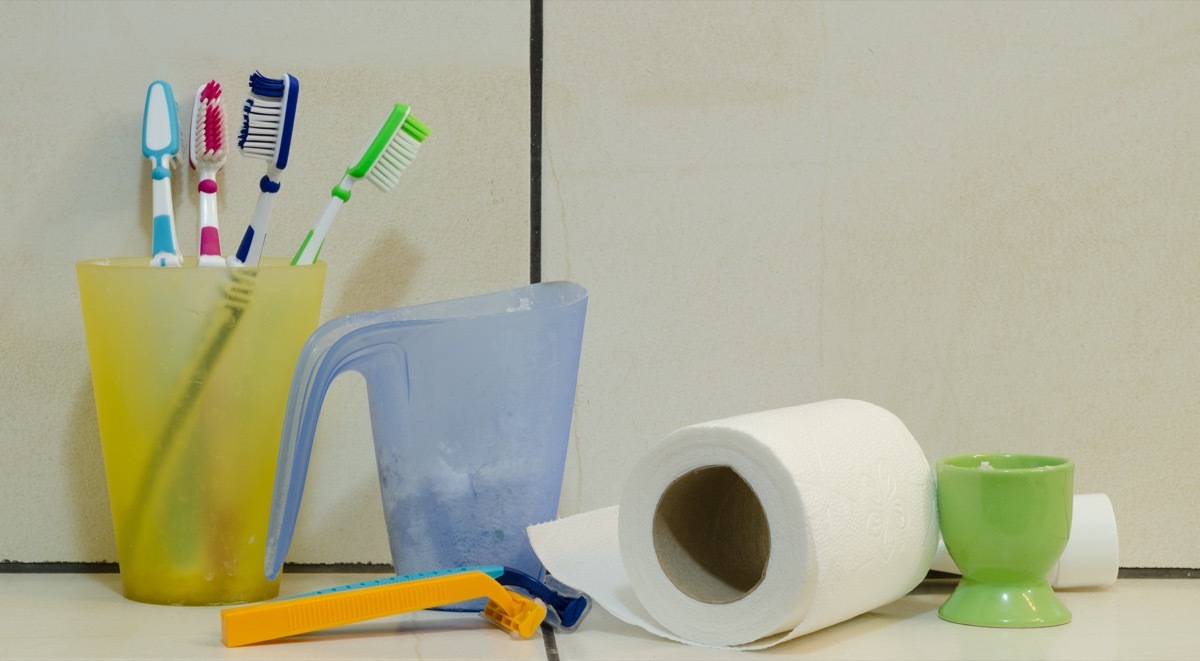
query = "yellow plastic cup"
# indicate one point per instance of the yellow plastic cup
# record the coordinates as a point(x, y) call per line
point(191, 369)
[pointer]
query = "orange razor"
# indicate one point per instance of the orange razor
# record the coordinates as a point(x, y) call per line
point(513, 612)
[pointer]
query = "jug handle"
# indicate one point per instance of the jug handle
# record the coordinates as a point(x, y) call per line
point(320, 362)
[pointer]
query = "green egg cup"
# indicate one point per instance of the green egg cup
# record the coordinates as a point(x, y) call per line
point(1005, 519)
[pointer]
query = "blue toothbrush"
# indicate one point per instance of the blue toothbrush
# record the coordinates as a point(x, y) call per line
point(268, 119)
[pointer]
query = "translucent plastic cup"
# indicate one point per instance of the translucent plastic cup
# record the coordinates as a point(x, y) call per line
point(191, 369)
point(471, 403)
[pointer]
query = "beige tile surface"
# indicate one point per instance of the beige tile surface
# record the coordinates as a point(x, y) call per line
point(977, 215)
point(83, 616)
point(980, 216)
point(76, 187)
point(1137, 619)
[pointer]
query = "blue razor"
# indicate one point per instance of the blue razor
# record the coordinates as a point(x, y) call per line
point(564, 613)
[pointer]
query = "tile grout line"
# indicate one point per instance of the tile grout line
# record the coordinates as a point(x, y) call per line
point(18, 567)
point(535, 141)
point(550, 641)
point(11, 567)
point(536, 29)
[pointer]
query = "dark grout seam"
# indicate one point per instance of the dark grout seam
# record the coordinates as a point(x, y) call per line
point(1157, 572)
point(536, 25)
point(535, 141)
point(551, 643)
point(11, 567)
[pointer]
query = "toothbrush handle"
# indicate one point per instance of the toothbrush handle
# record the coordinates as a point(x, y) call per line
point(165, 244)
point(161, 191)
point(210, 236)
point(249, 252)
point(311, 248)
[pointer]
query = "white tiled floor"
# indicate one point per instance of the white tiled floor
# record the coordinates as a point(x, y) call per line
point(83, 616)
point(1138, 619)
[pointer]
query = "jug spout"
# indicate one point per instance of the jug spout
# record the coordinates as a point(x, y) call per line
point(470, 403)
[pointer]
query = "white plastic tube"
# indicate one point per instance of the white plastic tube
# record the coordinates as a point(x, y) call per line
point(1091, 558)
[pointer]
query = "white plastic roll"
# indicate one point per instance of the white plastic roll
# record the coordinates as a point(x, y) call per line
point(1092, 555)
point(752, 530)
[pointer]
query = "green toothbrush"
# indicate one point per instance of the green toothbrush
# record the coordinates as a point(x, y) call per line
point(382, 162)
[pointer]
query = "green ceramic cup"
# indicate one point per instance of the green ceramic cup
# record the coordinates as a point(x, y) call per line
point(1005, 519)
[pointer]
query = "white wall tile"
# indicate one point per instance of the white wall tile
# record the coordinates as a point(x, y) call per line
point(980, 216)
point(76, 187)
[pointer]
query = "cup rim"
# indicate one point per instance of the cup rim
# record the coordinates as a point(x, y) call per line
point(143, 264)
point(1047, 463)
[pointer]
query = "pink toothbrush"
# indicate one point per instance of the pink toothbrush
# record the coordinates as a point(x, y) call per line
point(208, 157)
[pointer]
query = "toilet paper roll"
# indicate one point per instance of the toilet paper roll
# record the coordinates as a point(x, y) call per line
point(1092, 555)
point(752, 530)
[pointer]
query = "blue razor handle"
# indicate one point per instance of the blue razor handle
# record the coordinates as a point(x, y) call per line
point(570, 611)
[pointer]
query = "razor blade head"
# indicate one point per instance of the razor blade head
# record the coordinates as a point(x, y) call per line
point(529, 616)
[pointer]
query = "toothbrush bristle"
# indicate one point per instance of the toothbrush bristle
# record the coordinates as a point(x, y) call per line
point(211, 91)
point(209, 145)
point(267, 117)
point(214, 140)
point(260, 126)
point(265, 86)
point(398, 155)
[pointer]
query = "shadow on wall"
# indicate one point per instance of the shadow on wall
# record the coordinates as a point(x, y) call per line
point(380, 279)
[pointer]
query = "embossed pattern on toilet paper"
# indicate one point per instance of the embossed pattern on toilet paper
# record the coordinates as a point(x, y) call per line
point(849, 499)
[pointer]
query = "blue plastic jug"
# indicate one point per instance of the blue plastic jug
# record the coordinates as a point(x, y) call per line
point(470, 402)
